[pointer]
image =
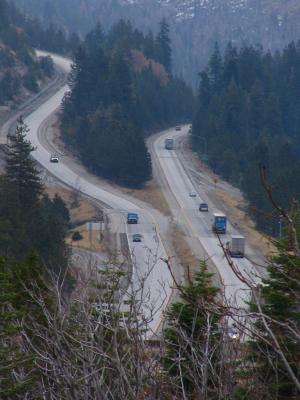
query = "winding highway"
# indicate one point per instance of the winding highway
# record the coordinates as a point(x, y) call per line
point(151, 280)
point(148, 267)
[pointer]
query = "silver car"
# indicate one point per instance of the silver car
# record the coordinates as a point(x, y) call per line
point(54, 158)
point(137, 237)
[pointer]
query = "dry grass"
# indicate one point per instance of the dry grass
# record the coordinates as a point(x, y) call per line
point(150, 194)
point(238, 208)
point(83, 212)
point(90, 240)
point(188, 260)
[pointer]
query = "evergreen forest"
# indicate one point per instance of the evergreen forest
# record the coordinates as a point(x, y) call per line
point(247, 120)
point(122, 89)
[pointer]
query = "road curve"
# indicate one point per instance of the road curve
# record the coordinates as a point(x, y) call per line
point(200, 224)
point(147, 255)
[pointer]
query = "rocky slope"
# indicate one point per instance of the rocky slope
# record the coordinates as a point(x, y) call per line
point(21, 72)
point(195, 24)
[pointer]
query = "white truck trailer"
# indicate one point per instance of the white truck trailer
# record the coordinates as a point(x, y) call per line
point(236, 247)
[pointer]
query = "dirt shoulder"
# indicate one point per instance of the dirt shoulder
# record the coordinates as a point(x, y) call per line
point(150, 194)
point(230, 200)
point(239, 216)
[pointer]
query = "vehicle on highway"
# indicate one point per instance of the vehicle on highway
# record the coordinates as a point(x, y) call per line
point(137, 237)
point(219, 224)
point(178, 128)
point(132, 218)
point(54, 158)
point(236, 247)
point(203, 207)
point(169, 144)
point(193, 194)
point(233, 333)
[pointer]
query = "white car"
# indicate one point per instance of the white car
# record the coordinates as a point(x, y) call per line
point(233, 333)
point(54, 158)
point(193, 194)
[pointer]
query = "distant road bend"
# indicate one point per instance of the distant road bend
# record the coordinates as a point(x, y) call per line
point(146, 255)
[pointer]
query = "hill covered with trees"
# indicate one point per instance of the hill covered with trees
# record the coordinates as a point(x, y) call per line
point(21, 72)
point(121, 90)
point(195, 24)
point(248, 115)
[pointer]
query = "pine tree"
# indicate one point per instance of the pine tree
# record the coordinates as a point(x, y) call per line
point(192, 336)
point(163, 46)
point(21, 287)
point(231, 64)
point(21, 171)
point(215, 68)
point(14, 240)
point(120, 82)
point(280, 306)
point(149, 46)
point(95, 39)
point(14, 381)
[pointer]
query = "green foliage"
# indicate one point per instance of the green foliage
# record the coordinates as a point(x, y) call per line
point(192, 336)
point(21, 284)
point(76, 236)
point(116, 99)
point(247, 114)
point(125, 158)
point(163, 46)
point(27, 218)
point(280, 305)
point(21, 172)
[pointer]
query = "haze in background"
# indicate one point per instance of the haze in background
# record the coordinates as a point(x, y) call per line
point(195, 24)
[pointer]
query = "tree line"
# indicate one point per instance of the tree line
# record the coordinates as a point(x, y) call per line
point(122, 89)
point(247, 115)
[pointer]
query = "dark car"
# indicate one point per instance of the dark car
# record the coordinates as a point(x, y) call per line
point(137, 237)
point(178, 128)
point(203, 207)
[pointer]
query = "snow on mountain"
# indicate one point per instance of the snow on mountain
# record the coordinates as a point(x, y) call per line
point(195, 25)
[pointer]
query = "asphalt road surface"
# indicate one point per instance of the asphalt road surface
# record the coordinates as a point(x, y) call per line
point(151, 280)
point(200, 223)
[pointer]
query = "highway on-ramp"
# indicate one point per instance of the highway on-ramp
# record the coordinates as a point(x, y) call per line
point(149, 271)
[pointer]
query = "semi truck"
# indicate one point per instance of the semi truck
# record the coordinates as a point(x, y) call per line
point(132, 218)
point(169, 144)
point(236, 247)
point(219, 223)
